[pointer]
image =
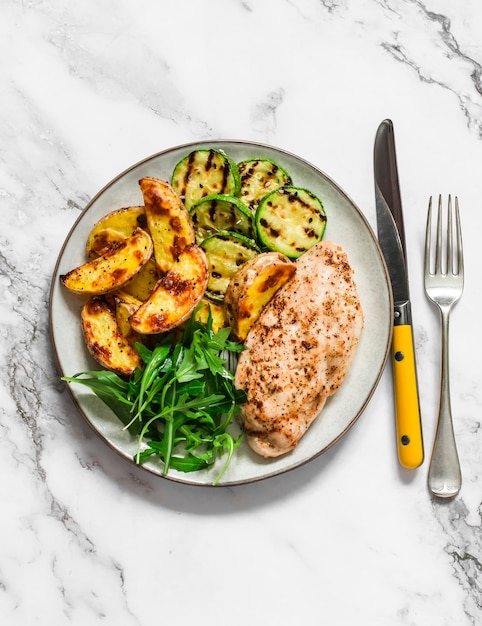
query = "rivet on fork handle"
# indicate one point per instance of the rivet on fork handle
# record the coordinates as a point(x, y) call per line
point(444, 286)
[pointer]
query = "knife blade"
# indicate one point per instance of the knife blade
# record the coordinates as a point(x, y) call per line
point(391, 236)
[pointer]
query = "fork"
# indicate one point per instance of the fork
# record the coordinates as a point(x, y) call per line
point(444, 283)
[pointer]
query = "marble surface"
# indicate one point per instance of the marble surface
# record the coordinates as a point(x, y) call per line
point(88, 89)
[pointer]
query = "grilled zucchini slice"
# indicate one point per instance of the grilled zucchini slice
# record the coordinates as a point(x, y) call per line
point(226, 252)
point(220, 212)
point(259, 177)
point(205, 172)
point(290, 220)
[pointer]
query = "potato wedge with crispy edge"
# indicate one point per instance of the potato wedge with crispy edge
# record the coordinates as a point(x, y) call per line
point(167, 220)
point(113, 269)
point(104, 338)
point(176, 294)
point(252, 287)
point(113, 228)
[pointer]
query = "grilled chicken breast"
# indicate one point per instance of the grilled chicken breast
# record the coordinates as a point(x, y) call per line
point(299, 350)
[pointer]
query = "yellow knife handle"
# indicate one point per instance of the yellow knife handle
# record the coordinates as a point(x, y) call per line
point(407, 408)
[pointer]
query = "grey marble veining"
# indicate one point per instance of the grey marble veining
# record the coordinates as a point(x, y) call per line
point(90, 88)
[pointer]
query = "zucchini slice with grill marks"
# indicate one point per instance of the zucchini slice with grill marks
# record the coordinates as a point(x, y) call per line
point(205, 172)
point(259, 177)
point(220, 212)
point(290, 220)
point(226, 252)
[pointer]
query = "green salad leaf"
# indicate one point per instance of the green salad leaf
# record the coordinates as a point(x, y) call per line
point(181, 403)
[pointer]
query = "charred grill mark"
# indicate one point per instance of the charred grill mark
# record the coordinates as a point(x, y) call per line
point(210, 161)
point(272, 231)
point(248, 174)
point(226, 172)
point(187, 174)
point(213, 206)
point(310, 233)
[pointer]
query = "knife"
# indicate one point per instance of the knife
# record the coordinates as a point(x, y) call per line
point(391, 236)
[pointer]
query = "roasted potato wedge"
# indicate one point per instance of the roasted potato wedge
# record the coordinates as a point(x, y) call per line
point(176, 294)
point(112, 270)
point(104, 338)
point(125, 306)
point(113, 228)
point(252, 287)
point(217, 313)
point(168, 222)
point(144, 282)
point(127, 298)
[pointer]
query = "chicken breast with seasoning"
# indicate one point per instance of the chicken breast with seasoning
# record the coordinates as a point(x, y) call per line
point(299, 350)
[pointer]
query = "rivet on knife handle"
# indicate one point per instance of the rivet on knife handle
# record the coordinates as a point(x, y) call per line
point(408, 420)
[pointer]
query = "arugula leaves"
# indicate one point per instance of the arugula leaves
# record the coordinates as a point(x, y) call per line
point(181, 403)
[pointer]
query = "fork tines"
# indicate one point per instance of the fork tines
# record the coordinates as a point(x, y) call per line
point(447, 258)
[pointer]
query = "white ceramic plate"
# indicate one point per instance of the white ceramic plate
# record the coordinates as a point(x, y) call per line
point(345, 225)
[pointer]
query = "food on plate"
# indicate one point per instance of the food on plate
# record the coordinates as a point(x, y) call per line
point(226, 252)
point(221, 213)
point(299, 350)
point(104, 338)
point(224, 257)
point(205, 172)
point(125, 306)
point(167, 220)
point(252, 287)
point(290, 220)
point(176, 294)
point(113, 269)
point(110, 231)
point(259, 177)
point(144, 282)
point(114, 228)
point(181, 404)
point(213, 309)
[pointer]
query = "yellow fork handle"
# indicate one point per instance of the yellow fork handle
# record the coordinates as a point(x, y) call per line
point(407, 408)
